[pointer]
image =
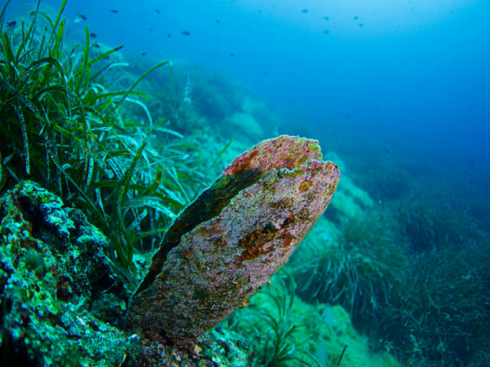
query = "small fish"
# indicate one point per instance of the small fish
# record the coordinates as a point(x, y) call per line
point(11, 24)
point(81, 16)
point(232, 54)
point(361, 24)
point(326, 31)
point(326, 18)
point(143, 53)
point(387, 150)
point(157, 11)
point(115, 11)
point(356, 17)
point(218, 21)
point(185, 33)
point(93, 35)
point(169, 35)
point(96, 45)
point(304, 11)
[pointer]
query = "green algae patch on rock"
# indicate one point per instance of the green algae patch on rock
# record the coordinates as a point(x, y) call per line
point(51, 263)
point(227, 243)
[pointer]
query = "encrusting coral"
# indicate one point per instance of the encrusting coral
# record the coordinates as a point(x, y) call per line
point(227, 243)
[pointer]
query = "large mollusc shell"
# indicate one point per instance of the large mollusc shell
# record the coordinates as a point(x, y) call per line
point(232, 238)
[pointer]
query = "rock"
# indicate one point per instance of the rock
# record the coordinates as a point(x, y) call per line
point(52, 266)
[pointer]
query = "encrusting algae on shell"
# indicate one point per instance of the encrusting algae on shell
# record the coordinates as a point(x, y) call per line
point(232, 238)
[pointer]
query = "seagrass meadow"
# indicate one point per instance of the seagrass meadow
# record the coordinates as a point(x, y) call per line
point(163, 211)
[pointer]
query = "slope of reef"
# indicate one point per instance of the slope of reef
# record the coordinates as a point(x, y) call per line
point(413, 273)
point(288, 331)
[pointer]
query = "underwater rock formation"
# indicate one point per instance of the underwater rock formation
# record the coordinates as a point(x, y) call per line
point(52, 267)
point(227, 243)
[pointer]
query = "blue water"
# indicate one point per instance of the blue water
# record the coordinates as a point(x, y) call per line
point(406, 78)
